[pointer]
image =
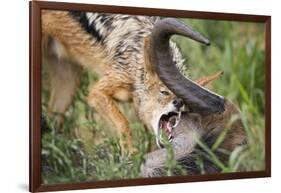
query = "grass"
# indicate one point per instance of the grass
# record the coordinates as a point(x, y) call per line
point(84, 149)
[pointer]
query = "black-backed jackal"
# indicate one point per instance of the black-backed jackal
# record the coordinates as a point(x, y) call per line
point(124, 51)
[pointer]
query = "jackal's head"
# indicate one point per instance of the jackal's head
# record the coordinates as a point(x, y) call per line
point(158, 107)
point(167, 91)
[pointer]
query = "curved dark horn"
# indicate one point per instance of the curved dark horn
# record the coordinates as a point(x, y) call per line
point(196, 97)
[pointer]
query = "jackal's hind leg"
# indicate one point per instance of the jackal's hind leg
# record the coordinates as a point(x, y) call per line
point(101, 98)
point(63, 80)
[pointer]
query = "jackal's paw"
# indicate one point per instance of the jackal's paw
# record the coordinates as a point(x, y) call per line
point(126, 151)
point(133, 151)
point(127, 147)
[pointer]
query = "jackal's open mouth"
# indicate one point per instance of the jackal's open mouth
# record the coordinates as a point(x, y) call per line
point(167, 123)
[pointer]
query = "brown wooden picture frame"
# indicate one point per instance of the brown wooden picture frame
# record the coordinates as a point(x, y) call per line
point(35, 8)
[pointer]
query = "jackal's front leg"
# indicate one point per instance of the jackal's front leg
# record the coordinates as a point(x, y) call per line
point(101, 98)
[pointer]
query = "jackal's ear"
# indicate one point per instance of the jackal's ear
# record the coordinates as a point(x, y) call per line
point(204, 81)
point(148, 67)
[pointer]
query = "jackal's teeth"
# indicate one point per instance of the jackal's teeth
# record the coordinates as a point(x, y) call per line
point(170, 137)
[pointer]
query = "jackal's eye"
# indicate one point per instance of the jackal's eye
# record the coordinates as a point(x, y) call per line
point(164, 93)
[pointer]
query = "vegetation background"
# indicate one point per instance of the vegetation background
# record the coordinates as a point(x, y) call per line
point(85, 149)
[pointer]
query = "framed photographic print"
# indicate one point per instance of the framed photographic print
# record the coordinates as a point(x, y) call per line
point(123, 96)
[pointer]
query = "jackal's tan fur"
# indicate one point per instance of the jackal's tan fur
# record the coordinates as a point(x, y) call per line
point(67, 47)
